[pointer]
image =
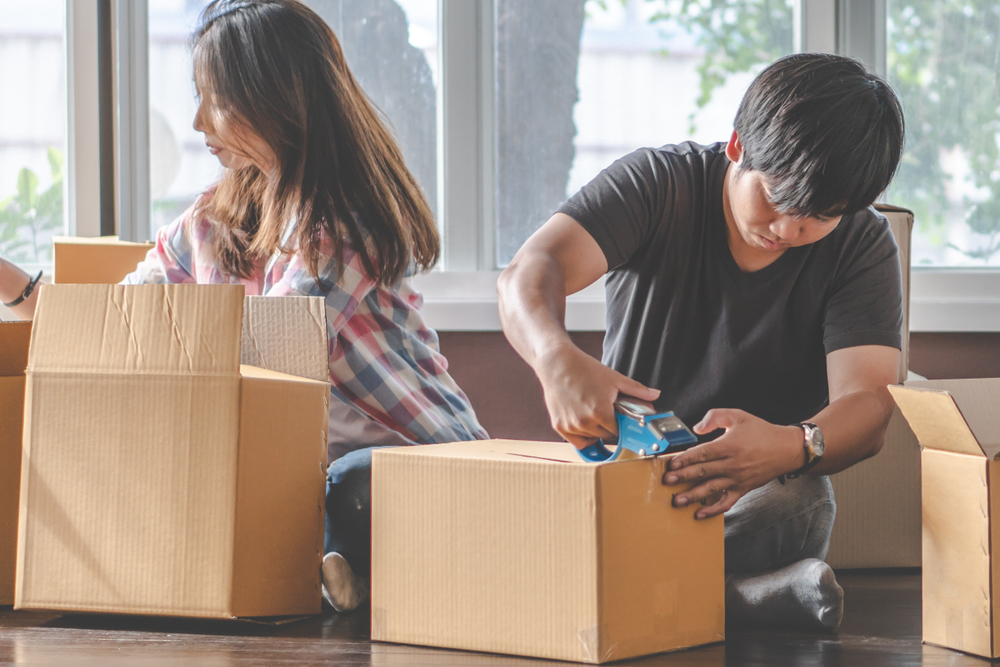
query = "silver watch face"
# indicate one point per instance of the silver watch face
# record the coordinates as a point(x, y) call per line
point(815, 441)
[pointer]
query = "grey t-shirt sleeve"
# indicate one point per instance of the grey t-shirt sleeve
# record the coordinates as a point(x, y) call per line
point(865, 306)
point(620, 206)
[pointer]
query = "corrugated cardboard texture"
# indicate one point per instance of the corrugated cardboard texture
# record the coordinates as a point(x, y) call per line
point(957, 599)
point(280, 494)
point(994, 490)
point(935, 419)
point(878, 500)
point(647, 605)
point(133, 392)
point(95, 261)
point(520, 548)
point(14, 337)
point(287, 335)
point(979, 400)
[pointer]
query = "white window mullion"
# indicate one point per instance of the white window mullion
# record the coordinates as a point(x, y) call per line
point(861, 32)
point(465, 128)
point(131, 70)
point(83, 151)
point(815, 26)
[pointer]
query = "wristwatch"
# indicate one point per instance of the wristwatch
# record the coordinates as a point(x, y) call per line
point(813, 444)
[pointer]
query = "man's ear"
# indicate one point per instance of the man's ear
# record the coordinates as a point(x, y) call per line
point(734, 149)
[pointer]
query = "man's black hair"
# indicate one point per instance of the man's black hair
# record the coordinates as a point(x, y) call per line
point(826, 134)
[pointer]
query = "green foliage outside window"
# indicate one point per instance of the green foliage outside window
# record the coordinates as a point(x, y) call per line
point(25, 215)
point(943, 61)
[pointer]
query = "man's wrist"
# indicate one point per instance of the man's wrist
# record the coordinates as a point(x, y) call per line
point(796, 451)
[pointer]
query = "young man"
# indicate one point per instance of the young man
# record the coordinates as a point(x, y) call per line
point(750, 289)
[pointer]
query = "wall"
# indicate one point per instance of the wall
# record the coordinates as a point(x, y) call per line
point(508, 398)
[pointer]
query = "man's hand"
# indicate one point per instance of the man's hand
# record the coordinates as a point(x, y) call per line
point(580, 393)
point(751, 453)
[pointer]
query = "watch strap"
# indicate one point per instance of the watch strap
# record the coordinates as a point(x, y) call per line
point(27, 291)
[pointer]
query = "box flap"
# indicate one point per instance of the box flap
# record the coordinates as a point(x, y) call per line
point(936, 420)
point(14, 338)
point(287, 334)
point(103, 260)
point(138, 329)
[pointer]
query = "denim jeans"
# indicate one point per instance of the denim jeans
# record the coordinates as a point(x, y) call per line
point(777, 525)
point(349, 509)
point(768, 528)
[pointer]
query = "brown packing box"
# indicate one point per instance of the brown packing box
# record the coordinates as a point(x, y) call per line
point(14, 338)
point(878, 500)
point(958, 427)
point(95, 261)
point(521, 548)
point(159, 475)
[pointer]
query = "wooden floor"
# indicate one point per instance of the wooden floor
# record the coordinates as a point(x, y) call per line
point(881, 627)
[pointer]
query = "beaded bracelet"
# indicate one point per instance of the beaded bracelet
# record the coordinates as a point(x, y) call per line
point(27, 291)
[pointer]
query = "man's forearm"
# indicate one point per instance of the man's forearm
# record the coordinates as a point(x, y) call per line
point(854, 429)
point(532, 301)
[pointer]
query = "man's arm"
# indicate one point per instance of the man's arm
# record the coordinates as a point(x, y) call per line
point(752, 452)
point(559, 259)
point(12, 283)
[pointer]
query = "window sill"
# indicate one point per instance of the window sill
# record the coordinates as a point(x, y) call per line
point(467, 301)
point(941, 300)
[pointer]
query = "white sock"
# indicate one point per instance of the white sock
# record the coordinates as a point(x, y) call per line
point(803, 594)
point(344, 590)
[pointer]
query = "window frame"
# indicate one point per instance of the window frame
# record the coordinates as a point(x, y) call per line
point(942, 299)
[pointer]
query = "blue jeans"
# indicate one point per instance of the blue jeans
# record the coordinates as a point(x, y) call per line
point(349, 509)
point(768, 528)
point(777, 525)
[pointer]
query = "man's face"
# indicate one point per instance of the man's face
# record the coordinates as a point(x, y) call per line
point(760, 226)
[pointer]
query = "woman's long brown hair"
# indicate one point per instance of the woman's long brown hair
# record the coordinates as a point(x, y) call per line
point(275, 68)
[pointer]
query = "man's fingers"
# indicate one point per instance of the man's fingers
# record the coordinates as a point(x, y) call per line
point(627, 385)
point(704, 493)
point(694, 472)
point(724, 503)
point(716, 419)
point(710, 451)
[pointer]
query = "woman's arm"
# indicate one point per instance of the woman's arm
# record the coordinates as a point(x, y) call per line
point(13, 281)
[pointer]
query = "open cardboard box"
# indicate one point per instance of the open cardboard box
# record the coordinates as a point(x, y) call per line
point(14, 337)
point(160, 476)
point(522, 548)
point(102, 260)
point(958, 426)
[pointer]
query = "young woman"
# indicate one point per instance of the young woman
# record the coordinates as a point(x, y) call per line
point(315, 200)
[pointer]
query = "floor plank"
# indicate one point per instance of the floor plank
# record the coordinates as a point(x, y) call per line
point(881, 627)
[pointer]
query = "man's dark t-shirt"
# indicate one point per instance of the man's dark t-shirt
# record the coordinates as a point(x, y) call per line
point(684, 318)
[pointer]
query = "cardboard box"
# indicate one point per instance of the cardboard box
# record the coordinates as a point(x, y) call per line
point(159, 475)
point(14, 337)
point(521, 548)
point(878, 500)
point(958, 427)
point(103, 260)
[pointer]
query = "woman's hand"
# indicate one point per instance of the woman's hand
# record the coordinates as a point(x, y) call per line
point(751, 453)
point(580, 393)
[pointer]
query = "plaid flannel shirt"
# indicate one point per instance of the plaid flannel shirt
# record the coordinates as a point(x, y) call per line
point(384, 361)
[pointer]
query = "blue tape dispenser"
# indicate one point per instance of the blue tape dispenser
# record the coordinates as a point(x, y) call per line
point(643, 432)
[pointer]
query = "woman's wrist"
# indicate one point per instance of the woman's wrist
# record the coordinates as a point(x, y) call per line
point(13, 281)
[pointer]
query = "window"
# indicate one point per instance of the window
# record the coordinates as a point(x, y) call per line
point(32, 121)
point(580, 84)
point(943, 62)
point(391, 49)
point(503, 109)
